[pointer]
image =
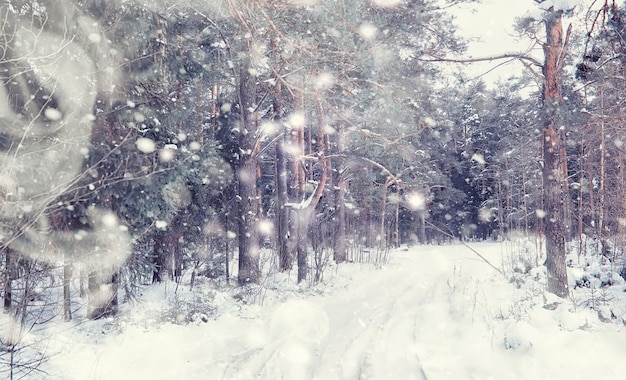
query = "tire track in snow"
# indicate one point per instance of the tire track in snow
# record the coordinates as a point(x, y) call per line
point(376, 340)
point(395, 347)
point(393, 354)
point(371, 330)
point(357, 358)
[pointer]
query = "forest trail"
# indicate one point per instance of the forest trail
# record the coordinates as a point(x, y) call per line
point(424, 315)
point(398, 322)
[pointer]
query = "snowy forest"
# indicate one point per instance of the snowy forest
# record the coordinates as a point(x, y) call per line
point(222, 145)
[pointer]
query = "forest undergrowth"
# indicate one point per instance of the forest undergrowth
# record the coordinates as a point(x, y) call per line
point(595, 272)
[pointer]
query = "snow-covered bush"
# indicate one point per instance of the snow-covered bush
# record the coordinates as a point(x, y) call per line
point(595, 277)
point(520, 256)
point(194, 308)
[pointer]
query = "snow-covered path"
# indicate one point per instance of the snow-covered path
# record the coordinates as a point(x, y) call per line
point(378, 328)
point(390, 327)
point(375, 337)
point(431, 313)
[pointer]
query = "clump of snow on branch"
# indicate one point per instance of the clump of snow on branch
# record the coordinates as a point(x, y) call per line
point(176, 194)
point(195, 146)
point(538, 13)
point(386, 3)
point(430, 122)
point(479, 159)
point(226, 107)
point(561, 5)
point(301, 205)
point(304, 3)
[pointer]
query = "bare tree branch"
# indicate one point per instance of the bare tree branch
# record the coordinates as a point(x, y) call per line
point(532, 70)
point(520, 56)
point(565, 46)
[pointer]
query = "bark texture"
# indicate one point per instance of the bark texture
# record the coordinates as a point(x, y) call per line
point(554, 156)
point(249, 271)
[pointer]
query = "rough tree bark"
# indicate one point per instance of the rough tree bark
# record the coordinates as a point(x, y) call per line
point(554, 157)
point(249, 270)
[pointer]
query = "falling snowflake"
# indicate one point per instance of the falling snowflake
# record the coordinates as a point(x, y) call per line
point(145, 145)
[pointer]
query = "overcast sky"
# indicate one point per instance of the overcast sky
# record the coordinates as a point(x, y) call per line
point(491, 22)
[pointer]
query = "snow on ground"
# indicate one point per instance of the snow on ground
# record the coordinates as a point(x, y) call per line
point(434, 312)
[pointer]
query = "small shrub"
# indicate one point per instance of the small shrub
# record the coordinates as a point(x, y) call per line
point(197, 308)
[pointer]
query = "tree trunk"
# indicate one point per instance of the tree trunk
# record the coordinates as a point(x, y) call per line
point(339, 247)
point(554, 176)
point(524, 201)
point(8, 278)
point(396, 228)
point(422, 230)
point(301, 250)
point(295, 191)
point(382, 235)
point(501, 225)
point(601, 190)
point(164, 252)
point(295, 242)
point(82, 282)
point(115, 287)
point(158, 258)
point(103, 287)
point(249, 270)
point(580, 214)
point(621, 227)
point(285, 253)
point(67, 298)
